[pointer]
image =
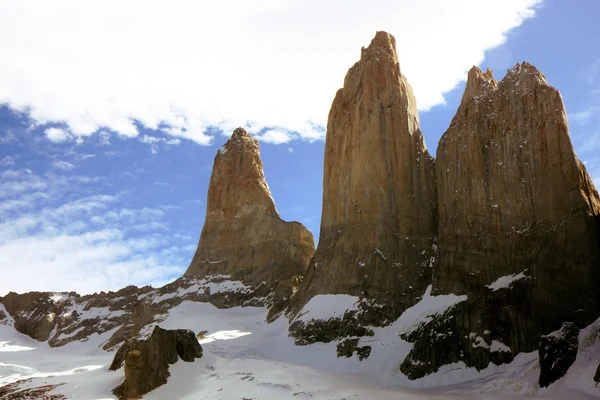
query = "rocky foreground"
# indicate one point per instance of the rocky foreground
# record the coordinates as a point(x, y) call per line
point(476, 258)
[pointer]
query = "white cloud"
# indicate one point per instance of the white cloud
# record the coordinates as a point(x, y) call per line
point(275, 136)
point(290, 150)
point(173, 142)
point(57, 135)
point(64, 165)
point(87, 244)
point(267, 63)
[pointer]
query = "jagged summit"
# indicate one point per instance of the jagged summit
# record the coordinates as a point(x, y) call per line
point(518, 231)
point(478, 81)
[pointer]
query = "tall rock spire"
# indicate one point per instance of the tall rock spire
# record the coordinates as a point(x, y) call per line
point(519, 226)
point(379, 198)
point(243, 235)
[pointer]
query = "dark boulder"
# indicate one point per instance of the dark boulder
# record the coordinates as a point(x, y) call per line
point(558, 351)
point(147, 361)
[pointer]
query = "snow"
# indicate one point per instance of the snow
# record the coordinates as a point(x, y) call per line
point(377, 251)
point(424, 310)
point(207, 284)
point(10, 346)
point(245, 357)
point(223, 335)
point(57, 297)
point(506, 281)
point(499, 347)
point(326, 306)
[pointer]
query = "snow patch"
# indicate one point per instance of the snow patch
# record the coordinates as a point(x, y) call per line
point(326, 306)
point(424, 310)
point(499, 347)
point(11, 346)
point(223, 335)
point(207, 284)
point(506, 281)
point(57, 297)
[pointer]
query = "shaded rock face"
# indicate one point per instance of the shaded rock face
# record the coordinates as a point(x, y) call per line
point(597, 375)
point(379, 198)
point(243, 235)
point(147, 361)
point(60, 318)
point(558, 352)
point(518, 223)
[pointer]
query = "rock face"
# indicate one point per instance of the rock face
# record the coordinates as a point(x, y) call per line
point(518, 224)
point(378, 221)
point(558, 352)
point(147, 361)
point(243, 235)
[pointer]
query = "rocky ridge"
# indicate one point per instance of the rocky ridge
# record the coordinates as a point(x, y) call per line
point(61, 318)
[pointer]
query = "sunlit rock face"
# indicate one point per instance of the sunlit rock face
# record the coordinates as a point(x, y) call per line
point(378, 223)
point(243, 235)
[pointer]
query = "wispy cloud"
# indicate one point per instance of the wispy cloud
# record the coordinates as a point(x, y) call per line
point(293, 91)
point(64, 165)
point(7, 162)
point(87, 244)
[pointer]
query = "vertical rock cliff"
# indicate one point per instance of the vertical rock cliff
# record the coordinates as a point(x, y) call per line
point(379, 196)
point(518, 225)
point(243, 235)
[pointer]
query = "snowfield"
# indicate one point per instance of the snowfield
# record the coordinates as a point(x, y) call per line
point(246, 358)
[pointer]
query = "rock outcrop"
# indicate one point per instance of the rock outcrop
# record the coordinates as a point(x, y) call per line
point(243, 236)
point(147, 361)
point(518, 224)
point(378, 222)
point(558, 351)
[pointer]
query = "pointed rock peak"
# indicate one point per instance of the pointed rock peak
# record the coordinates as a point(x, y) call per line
point(382, 42)
point(478, 82)
point(238, 140)
point(243, 235)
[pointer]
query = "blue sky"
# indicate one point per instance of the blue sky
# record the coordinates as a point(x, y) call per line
point(108, 134)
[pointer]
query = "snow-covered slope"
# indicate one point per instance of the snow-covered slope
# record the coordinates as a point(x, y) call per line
point(245, 357)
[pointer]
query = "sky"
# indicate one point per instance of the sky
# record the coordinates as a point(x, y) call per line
point(111, 113)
